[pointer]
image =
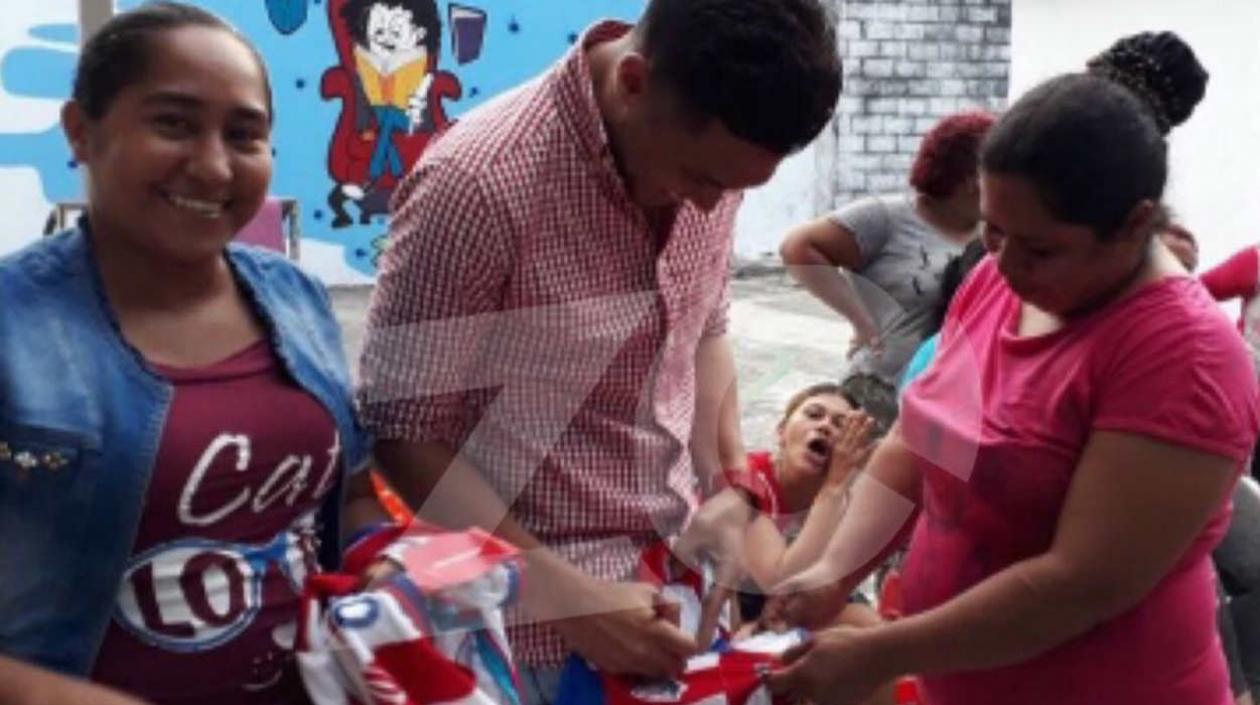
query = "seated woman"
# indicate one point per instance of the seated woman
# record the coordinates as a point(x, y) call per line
point(824, 437)
point(898, 244)
point(823, 440)
point(178, 444)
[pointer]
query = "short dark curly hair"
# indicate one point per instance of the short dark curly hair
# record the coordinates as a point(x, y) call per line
point(950, 153)
point(424, 13)
point(767, 70)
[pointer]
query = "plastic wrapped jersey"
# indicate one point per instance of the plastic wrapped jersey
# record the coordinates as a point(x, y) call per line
point(431, 635)
point(732, 677)
point(680, 584)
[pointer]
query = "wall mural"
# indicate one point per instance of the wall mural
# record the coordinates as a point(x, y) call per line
point(38, 47)
point(392, 96)
point(361, 87)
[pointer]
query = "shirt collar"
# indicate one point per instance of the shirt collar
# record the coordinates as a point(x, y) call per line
point(576, 92)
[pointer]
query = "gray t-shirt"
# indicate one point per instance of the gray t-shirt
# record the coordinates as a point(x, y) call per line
point(903, 259)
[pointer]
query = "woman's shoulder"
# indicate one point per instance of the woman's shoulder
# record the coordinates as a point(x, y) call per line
point(1175, 308)
point(1167, 362)
point(1177, 322)
point(52, 279)
point(47, 260)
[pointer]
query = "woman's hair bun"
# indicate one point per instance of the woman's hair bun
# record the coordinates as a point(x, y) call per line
point(1161, 69)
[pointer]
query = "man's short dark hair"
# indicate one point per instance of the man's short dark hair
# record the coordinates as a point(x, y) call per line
point(768, 70)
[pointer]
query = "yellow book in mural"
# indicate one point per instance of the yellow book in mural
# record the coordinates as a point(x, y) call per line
point(391, 80)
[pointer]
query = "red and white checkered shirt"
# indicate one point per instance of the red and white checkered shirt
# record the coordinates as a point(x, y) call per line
point(526, 315)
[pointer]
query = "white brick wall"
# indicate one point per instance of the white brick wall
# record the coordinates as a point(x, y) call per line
point(907, 64)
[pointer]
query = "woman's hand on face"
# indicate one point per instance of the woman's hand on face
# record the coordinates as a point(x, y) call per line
point(851, 449)
point(835, 666)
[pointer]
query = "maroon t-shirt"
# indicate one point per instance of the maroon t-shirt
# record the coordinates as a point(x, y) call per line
point(207, 609)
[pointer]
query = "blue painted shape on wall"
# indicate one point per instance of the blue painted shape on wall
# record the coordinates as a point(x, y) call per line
point(287, 16)
point(42, 72)
point(58, 32)
point(38, 72)
point(46, 152)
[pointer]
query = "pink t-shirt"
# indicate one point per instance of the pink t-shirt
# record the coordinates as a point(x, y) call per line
point(1000, 422)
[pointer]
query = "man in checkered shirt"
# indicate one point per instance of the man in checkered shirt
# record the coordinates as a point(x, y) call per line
point(545, 355)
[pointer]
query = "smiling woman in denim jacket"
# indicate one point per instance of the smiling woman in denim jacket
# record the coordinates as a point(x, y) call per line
point(178, 447)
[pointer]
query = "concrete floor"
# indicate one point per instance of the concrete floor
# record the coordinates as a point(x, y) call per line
point(784, 340)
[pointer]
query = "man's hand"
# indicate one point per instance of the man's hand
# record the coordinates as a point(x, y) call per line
point(715, 536)
point(623, 628)
point(627, 629)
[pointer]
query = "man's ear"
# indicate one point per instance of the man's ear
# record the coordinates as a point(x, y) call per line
point(75, 125)
point(631, 79)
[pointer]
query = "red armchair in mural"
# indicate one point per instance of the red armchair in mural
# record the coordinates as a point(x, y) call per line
point(391, 94)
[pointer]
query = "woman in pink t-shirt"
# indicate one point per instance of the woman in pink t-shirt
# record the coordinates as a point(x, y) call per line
point(1071, 451)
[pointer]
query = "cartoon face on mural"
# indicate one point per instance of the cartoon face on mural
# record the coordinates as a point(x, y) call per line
point(393, 30)
point(389, 51)
point(393, 41)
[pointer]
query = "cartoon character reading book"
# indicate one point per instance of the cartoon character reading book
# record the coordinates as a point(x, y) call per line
point(392, 89)
point(395, 45)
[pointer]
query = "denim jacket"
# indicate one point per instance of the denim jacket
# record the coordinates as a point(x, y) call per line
point(81, 418)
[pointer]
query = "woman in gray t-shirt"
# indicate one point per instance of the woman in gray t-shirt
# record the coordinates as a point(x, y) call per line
point(897, 246)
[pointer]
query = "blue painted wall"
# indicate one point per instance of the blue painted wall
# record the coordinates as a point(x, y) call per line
point(520, 39)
